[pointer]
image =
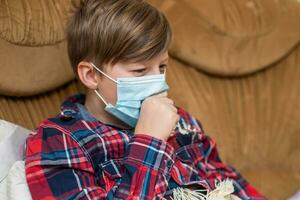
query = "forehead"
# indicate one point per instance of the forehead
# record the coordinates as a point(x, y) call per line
point(160, 58)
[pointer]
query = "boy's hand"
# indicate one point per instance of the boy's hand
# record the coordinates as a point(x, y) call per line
point(158, 116)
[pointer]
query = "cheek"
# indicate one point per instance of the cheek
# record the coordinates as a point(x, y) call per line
point(108, 90)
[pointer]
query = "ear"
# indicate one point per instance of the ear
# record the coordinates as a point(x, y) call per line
point(87, 75)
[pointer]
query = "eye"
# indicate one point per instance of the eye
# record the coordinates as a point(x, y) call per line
point(139, 70)
point(162, 68)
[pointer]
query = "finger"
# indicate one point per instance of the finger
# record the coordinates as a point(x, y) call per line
point(162, 94)
point(167, 100)
point(174, 109)
point(171, 107)
point(178, 117)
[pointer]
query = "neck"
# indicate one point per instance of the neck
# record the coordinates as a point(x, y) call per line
point(95, 107)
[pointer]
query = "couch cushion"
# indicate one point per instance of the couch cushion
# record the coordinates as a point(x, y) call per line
point(296, 196)
point(233, 38)
point(12, 140)
point(14, 186)
point(33, 56)
point(273, 181)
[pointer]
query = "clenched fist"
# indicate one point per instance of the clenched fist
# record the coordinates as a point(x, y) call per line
point(158, 116)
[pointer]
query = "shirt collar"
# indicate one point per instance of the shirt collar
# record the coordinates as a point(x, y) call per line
point(73, 107)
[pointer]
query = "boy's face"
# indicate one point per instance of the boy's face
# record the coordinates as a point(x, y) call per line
point(108, 89)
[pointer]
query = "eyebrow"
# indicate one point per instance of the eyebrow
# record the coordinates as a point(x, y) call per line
point(165, 59)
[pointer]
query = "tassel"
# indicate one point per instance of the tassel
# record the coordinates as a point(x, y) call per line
point(223, 191)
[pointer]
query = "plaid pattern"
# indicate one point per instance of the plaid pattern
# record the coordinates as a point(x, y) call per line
point(74, 156)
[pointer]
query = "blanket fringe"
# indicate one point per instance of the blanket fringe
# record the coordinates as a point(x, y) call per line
point(223, 191)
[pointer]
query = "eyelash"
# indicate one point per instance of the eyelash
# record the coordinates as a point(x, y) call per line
point(142, 70)
point(163, 66)
point(139, 70)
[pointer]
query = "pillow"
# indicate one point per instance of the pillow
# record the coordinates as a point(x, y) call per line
point(14, 186)
point(12, 140)
point(232, 39)
point(32, 33)
point(296, 196)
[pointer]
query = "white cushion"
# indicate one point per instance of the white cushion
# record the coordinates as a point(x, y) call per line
point(296, 196)
point(14, 186)
point(12, 140)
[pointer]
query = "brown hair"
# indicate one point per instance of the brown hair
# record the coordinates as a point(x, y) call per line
point(111, 31)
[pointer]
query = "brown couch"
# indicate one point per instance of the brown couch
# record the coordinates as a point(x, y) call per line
point(234, 65)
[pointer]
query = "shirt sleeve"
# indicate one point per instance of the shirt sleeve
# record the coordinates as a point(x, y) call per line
point(58, 168)
point(200, 151)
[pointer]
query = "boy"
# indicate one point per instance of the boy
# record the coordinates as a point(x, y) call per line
point(124, 138)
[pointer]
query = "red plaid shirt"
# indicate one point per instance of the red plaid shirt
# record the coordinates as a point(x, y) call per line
point(75, 156)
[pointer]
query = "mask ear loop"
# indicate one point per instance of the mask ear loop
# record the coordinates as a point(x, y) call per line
point(97, 93)
point(104, 73)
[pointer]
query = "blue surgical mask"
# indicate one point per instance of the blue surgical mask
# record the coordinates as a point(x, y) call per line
point(131, 91)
